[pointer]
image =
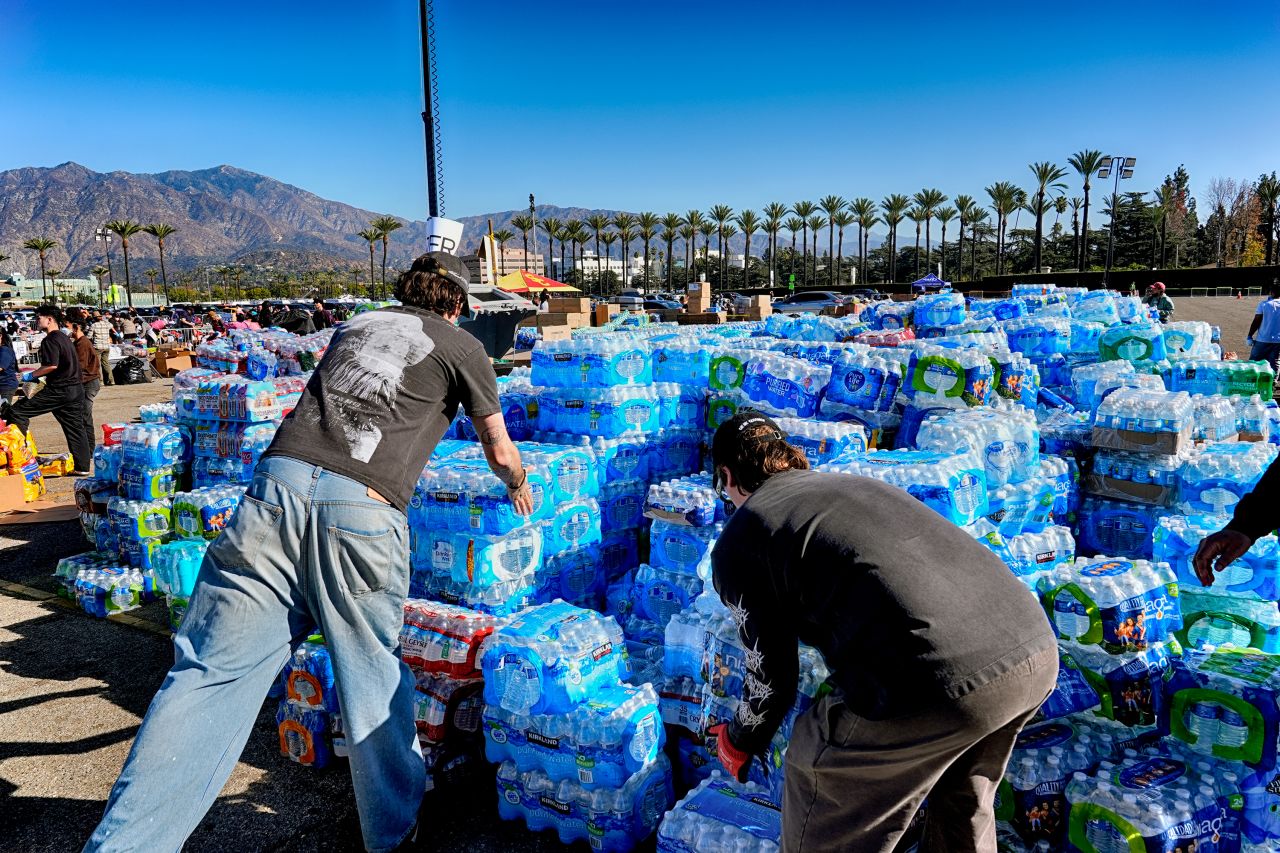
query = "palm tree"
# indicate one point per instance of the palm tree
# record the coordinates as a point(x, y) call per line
point(1268, 193)
point(979, 225)
point(384, 225)
point(841, 220)
point(670, 230)
point(945, 215)
point(609, 238)
point(1004, 200)
point(624, 222)
point(804, 210)
point(965, 206)
point(564, 235)
point(124, 229)
point(551, 227)
point(928, 201)
point(152, 274)
point(895, 208)
point(694, 219)
point(816, 223)
point(160, 230)
point(98, 272)
point(707, 229)
point(916, 215)
point(598, 222)
point(646, 229)
point(720, 213)
point(41, 245)
point(793, 225)
point(1047, 175)
point(689, 235)
point(371, 236)
point(581, 234)
point(774, 211)
point(523, 223)
point(729, 232)
point(1086, 163)
point(502, 236)
point(831, 205)
point(865, 210)
point(749, 222)
point(1075, 203)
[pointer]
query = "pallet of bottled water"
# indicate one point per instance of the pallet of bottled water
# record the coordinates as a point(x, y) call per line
point(1145, 421)
point(1155, 802)
point(1215, 477)
point(599, 743)
point(614, 820)
point(1122, 605)
point(1222, 702)
point(444, 639)
point(551, 657)
point(955, 485)
point(1225, 620)
point(1255, 576)
point(722, 816)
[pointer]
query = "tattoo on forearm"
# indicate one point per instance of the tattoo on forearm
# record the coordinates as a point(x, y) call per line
point(493, 435)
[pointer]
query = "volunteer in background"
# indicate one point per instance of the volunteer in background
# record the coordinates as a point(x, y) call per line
point(100, 333)
point(8, 368)
point(321, 538)
point(89, 367)
point(322, 317)
point(1264, 331)
point(63, 392)
point(938, 654)
point(1157, 299)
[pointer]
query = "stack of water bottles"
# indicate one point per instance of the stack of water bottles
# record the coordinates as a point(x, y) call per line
point(580, 751)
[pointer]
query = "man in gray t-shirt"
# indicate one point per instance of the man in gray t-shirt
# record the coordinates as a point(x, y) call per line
point(320, 539)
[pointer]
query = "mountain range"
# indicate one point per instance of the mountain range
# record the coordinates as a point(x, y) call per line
point(227, 215)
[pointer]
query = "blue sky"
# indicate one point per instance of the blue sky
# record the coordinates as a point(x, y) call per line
point(641, 106)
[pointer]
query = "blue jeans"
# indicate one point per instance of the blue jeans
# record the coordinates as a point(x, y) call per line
point(1265, 352)
point(306, 547)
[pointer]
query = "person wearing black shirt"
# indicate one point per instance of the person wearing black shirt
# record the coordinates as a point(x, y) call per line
point(321, 538)
point(1256, 515)
point(322, 317)
point(63, 392)
point(938, 654)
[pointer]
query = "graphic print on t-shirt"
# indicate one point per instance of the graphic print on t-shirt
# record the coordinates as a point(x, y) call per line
point(365, 367)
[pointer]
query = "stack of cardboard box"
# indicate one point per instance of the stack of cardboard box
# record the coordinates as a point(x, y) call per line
point(760, 307)
point(699, 297)
point(565, 315)
point(605, 312)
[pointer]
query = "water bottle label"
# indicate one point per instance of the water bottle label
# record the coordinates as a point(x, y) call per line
point(1154, 773)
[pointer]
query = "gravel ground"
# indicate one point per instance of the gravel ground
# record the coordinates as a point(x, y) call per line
point(73, 690)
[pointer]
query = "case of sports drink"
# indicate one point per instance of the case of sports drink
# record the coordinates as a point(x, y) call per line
point(1129, 685)
point(955, 485)
point(1121, 605)
point(1223, 702)
point(1122, 528)
point(1256, 575)
point(1214, 478)
point(613, 820)
point(445, 706)
point(551, 657)
point(444, 639)
point(1007, 441)
point(600, 743)
point(1228, 378)
point(682, 548)
point(722, 816)
point(1222, 620)
point(574, 575)
point(964, 375)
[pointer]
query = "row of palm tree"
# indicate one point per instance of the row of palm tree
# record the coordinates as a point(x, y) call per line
point(835, 214)
point(124, 229)
point(379, 228)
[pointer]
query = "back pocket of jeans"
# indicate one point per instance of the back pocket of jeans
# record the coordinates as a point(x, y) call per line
point(366, 562)
point(239, 545)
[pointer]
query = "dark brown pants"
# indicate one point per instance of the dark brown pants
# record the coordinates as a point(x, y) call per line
point(854, 784)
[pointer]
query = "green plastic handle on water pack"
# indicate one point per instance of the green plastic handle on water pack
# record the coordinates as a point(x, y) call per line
point(1257, 634)
point(1093, 636)
point(734, 364)
point(1082, 813)
point(922, 368)
point(1249, 752)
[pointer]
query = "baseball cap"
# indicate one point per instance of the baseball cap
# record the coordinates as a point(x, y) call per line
point(452, 268)
point(745, 426)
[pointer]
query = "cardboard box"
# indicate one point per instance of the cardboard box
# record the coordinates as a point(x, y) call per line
point(700, 289)
point(605, 312)
point(1164, 443)
point(574, 305)
point(1126, 490)
point(556, 333)
point(572, 319)
point(698, 305)
point(761, 301)
point(171, 363)
point(703, 319)
point(757, 313)
point(11, 496)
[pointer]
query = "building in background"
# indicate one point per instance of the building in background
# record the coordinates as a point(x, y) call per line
point(508, 260)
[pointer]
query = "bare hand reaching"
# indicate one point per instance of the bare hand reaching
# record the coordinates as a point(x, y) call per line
point(521, 495)
point(1217, 552)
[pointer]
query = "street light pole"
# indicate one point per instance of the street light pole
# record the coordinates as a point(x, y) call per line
point(430, 106)
point(1123, 167)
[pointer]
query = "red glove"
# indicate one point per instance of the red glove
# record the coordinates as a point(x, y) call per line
point(734, 760)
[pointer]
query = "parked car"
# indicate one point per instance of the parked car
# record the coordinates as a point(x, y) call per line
point(654, 304)
point(630, 298)
point(809, 300)
point(869, 294)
